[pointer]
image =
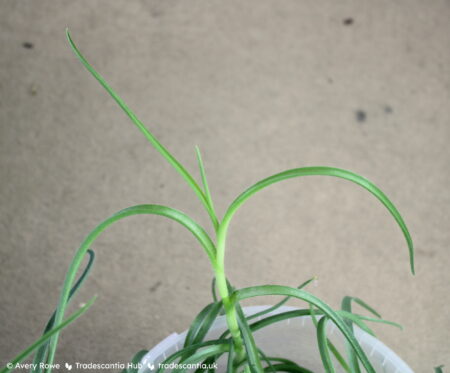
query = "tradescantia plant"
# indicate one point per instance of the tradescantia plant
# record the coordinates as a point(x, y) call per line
point(243, 355)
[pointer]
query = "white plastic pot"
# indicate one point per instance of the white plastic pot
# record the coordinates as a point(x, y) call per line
point(294, 339)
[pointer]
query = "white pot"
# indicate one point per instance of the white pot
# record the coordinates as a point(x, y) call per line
point(294, 339)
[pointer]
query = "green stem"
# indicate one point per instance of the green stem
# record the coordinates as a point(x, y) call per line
point(222, 287)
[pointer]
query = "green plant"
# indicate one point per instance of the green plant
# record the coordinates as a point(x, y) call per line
point(237, 341)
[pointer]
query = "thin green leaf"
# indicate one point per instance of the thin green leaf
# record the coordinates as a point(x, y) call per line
point(202, 323)
point(330, 345)
point(283, 367)
point(231, 357)
point(255, 291)
point(282, 360)
point(338, 356)
point(354, 318)
point(252, 356)
point(277, 318)
point(192, 349)
point(170, 213)
point(202, 354)
point(279, 304)
point(213, 289)
point(308, 171)
point(206, 187)
point(377, 320)
point(313, 315)
point(269, 367)
point(43, 339)
point(42, 351)
point(439, 369)
point(150, 137)
point(346, 305)
point(322, 341)
point(287, 365)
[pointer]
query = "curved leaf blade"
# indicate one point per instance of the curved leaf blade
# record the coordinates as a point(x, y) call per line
point(42, 351)
point(43, 339)
point(165, 211)
point(322, 341)
point(252, 353)
point(324, 171)
point(263, 290)
point(279, 304)
point(202, 323)
point(149, 136)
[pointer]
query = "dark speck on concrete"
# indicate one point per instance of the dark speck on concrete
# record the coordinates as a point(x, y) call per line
point(348, 21)
point(27, 45)
point(388, 109)
point(360, 116)
point(161, 185)
point(155, 286)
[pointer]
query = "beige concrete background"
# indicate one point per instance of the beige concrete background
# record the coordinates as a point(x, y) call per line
point(260, 86)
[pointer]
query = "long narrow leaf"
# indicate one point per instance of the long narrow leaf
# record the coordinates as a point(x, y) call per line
point(346, 305)
point(279, 304)
point(252, 354)
point(173, 214)
point(230, 361)
point(206, 187)
point(283, 360)
point(338, 356)
point(24, 354)
point(42, 351)
point(329, 344)
point(263, 290)
point(322, 342)
point(357, 321)
point(201, 355)
point(192, 349)
point(150, 137)
point(202, 323)
point(269, 367)
point(290, 368)
point(325, 171)
point(372, 319)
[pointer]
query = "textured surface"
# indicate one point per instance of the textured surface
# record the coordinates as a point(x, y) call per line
point(260, 86)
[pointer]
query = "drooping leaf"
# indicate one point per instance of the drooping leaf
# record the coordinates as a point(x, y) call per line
point(346, 305)
point(42, 351)
point(44, 338)
point(308, 171)
point(279, 304)
point(264, 290)
point(168, 212)
point(190, 350)
point(322, 342)
point(202, 323)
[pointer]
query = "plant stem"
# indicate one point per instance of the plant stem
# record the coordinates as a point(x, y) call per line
point(222, 286)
